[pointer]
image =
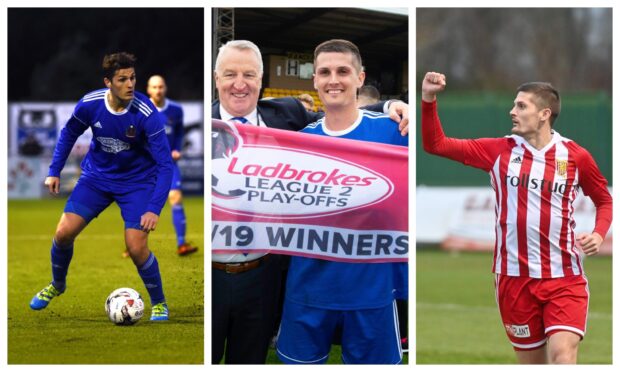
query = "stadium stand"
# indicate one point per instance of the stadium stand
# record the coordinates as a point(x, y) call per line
point(280, 92)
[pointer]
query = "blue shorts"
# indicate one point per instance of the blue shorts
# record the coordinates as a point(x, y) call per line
point(369, 336)
point(91, 197)
point(176, 177)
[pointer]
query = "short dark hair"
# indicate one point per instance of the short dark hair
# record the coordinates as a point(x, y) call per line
point(370, 91)
point(117, 61)
point(546, 96)
point(339, 46)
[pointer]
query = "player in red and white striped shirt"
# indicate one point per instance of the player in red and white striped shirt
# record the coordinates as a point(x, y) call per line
point(536, 174)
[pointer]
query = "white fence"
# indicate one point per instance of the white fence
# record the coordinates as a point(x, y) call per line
point(463, 218)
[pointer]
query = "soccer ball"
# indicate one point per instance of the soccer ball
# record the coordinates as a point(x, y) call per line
point(124, 306)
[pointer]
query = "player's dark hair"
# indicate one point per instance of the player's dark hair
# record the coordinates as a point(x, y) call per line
point(117, 61)
point(340, 46)
point(546, 96)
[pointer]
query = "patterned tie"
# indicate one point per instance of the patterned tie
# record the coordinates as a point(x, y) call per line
point(240, 119)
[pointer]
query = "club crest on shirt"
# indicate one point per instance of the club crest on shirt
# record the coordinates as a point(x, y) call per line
point(112, 145)
point(561, 167)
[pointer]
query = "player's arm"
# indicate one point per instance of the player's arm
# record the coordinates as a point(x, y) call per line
point(160, 151)
point(594, 185)
point(68, 135)
point(479, 153)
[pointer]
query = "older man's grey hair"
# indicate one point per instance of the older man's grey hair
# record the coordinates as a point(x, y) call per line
point(240, 45)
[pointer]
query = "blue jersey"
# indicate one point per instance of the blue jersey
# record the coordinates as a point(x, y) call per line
point(340, 285)
point(369, 126)
point(128, 147)
point(173, 116)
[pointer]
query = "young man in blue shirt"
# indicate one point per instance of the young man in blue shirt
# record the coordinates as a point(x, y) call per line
point(323, 297)
point(128, 163)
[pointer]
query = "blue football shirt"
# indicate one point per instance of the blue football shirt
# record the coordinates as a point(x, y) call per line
point(173, 116)
point(340, 285)
point(128, 147)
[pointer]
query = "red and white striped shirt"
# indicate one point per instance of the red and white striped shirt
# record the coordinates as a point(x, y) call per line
point(534, 192)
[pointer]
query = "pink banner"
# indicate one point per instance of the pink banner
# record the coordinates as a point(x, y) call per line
point(306, 195)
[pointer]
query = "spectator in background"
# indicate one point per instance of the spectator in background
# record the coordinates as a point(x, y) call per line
point(173, 115)
point(367, 95)
point(307, 101)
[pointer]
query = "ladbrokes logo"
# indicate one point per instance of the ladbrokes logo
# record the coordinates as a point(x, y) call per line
point(278, 182)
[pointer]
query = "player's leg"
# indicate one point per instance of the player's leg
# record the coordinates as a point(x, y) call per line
point(371, 336)
point(522, 316)
point(68, 228)
point(84, 204)
point(403, 316)
point(536, 356)
point(565, 317)
point(563, 347)
point(306, 333)
point(136, 242)
point(133, 203)
point(401, 294)
point(175, 197)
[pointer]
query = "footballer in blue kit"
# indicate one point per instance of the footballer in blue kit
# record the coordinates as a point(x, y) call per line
point(326, 297)
point(173, 118)
point(128, 162)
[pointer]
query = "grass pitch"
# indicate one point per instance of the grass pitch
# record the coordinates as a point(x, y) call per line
point(74, 328)
point(458, 321)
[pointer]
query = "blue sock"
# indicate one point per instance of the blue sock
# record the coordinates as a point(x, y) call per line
point(149, 272)
point(178, 219)
point(61, 258)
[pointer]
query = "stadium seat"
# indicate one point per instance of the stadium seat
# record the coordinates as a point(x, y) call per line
point(284, 92)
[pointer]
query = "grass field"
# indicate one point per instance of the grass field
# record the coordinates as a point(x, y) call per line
point(74, 329)
point(458, 321)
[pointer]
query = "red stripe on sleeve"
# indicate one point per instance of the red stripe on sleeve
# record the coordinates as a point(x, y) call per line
point(479, 153)
point(594, 185)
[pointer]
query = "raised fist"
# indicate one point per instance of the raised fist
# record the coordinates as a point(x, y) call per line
point(432, 84)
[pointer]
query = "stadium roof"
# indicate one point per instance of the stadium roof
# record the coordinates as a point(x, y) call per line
point(378, 33)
